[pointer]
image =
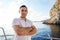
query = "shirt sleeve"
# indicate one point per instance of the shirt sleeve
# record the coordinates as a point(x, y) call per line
point(31, 23)
point(15, 22)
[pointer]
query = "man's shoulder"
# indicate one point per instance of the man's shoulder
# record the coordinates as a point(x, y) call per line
point(29, 20)
point(16, 19)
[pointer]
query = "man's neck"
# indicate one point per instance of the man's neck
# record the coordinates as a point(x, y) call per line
point(24, 18)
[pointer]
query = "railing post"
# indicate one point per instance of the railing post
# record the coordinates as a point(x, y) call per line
point(4, 33)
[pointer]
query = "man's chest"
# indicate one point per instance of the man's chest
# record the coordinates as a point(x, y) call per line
point(25, 24)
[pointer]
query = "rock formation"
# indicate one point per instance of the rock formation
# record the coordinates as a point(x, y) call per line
point(54, 14)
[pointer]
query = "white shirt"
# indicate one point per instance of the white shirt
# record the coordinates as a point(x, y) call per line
point(27, 23)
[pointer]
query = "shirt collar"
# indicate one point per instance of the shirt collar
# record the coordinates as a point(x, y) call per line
point(23, 20)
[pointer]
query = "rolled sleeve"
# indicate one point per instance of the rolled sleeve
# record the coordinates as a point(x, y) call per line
point(15, 22)
point(31, 23)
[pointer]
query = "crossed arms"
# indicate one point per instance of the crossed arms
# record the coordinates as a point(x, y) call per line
point(24, 31)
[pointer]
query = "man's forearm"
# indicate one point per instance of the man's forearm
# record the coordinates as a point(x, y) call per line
point(30, 30)
point(24, 31)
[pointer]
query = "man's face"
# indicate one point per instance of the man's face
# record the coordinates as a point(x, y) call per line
point(23, 12)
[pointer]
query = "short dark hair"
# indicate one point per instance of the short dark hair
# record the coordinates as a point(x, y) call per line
point(23, 6)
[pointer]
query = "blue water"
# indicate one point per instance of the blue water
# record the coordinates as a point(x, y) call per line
point(44, 32)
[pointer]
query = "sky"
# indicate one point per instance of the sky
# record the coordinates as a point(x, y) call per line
point(38, 10)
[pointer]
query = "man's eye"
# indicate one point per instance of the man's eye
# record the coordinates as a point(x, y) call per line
point(25, 10)
point(22, 10)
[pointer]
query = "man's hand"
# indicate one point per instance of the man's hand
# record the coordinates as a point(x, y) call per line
point(33, 31)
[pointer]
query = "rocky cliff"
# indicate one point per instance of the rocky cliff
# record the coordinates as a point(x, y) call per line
point(54, 14)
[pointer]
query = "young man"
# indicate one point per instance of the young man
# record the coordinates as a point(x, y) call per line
point(22, 26)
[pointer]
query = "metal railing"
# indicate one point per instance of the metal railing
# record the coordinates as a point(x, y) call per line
point(4, 33)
